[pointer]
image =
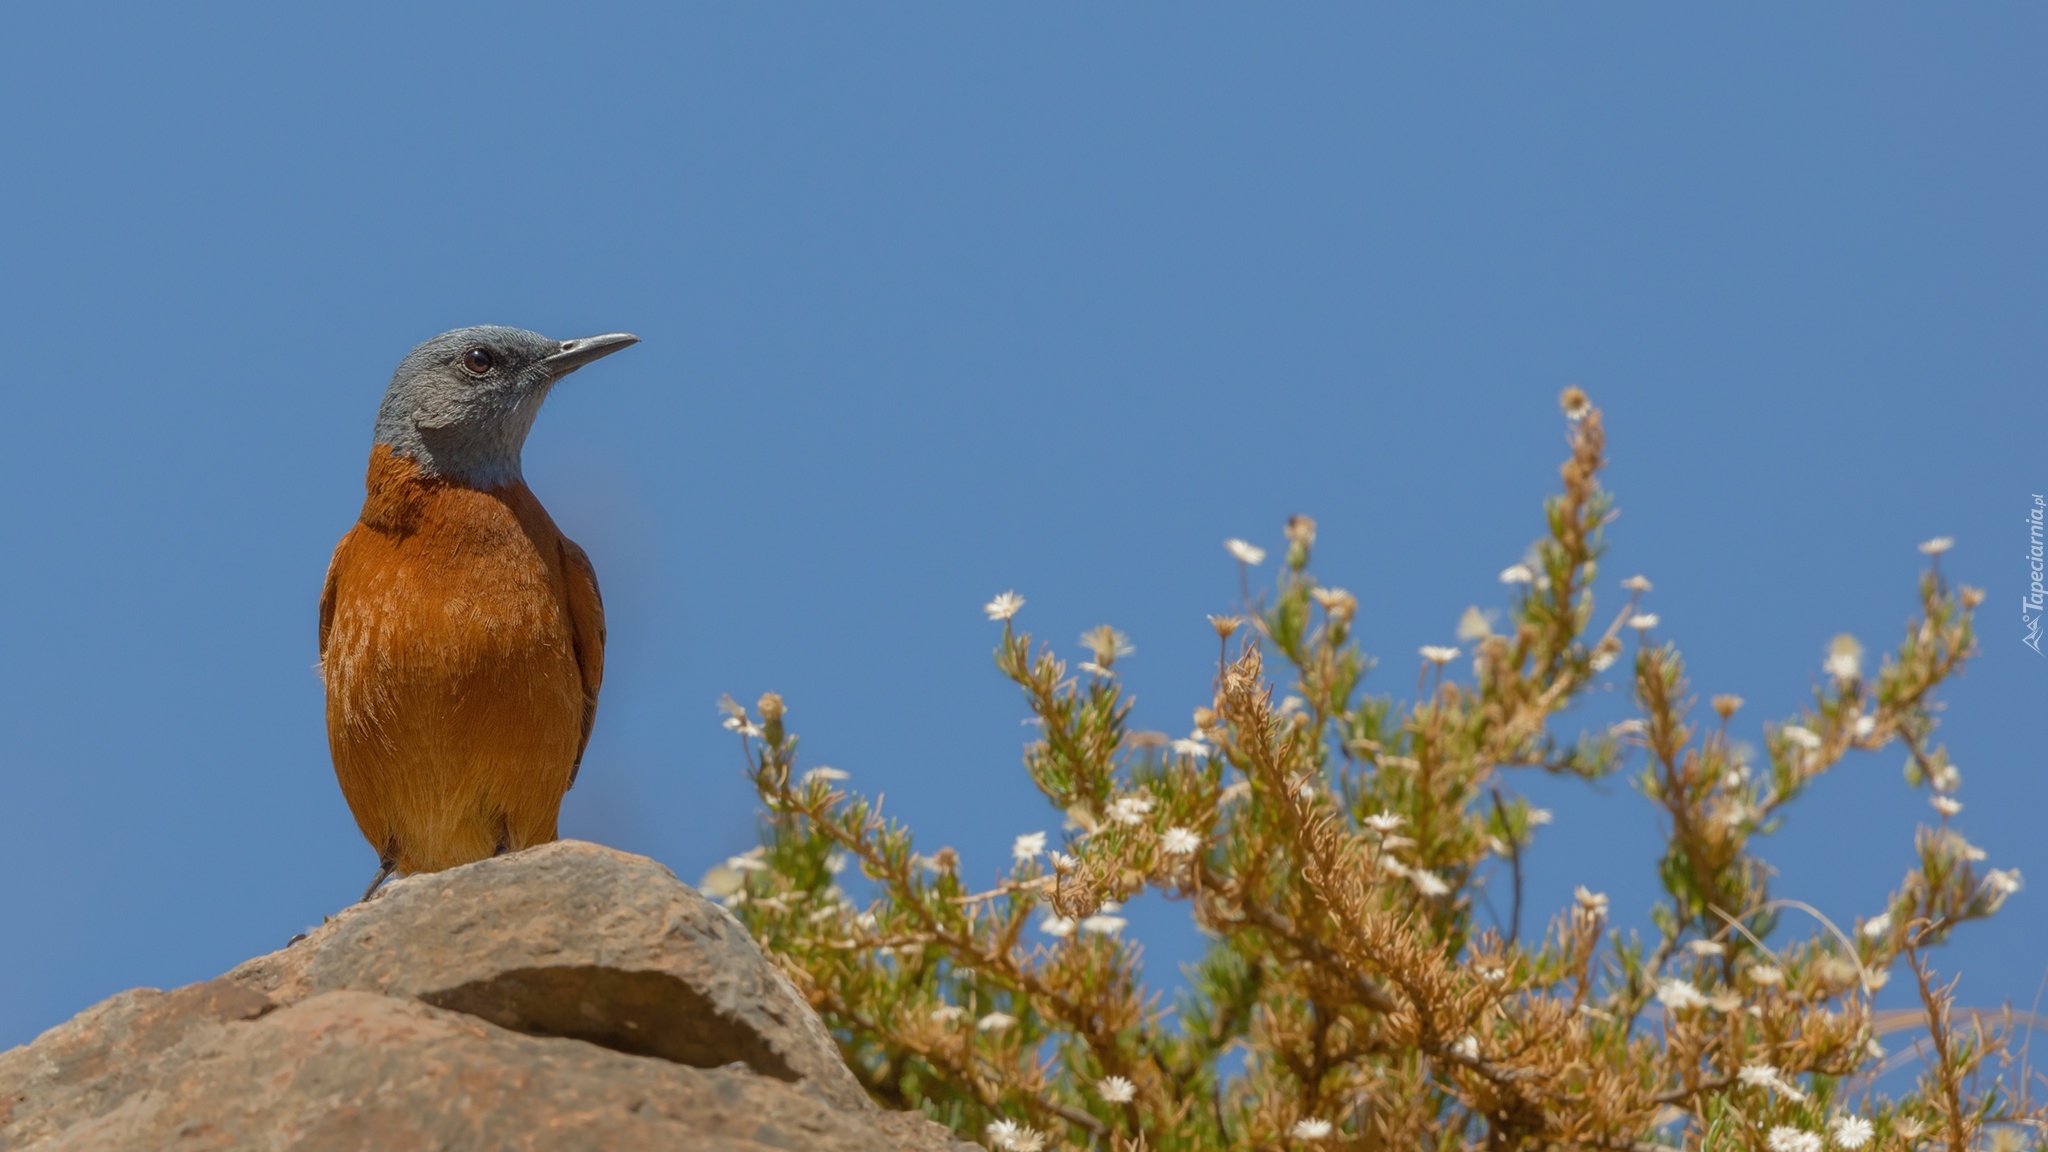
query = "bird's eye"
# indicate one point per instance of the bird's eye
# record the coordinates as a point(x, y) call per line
point(478, 361)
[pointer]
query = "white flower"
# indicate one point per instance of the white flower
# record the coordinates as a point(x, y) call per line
point(1783, 1139)
point(1516, 574)
point(1094, 669)
point(1061, 862)
point(1103, 924)
point(1234, 793)
point(1938, 545)
point(1027, 846)
point(1758, 1075)
point(822, 773)
point(1383, 822)
point(1804, 737)
point(1852, 1131)
point(1311, 1129)
point(1115, 1090)
point(1129, 809)
point(2002, 882)
point(1010, 1136)
point(1766, 975)
point(1003, 607)
point(1678, 995)
point(1594, 902)
point(1707, 948)
point(721, 882)
point(1245, 553)
point(1540, 816)
point(1603, 659)
point(1058, 926)
point(995, 1022)
point(948, 1013)
point(1643, 620)
point(1179, 842)
point(1946, 805)
point(836, 862)
point(1493, 975)
point(1467, 1047)
point(1845, 658)
point(747, 863)
point(1637, 583)
point(1865, 725)
point(1428, 883)
point(1946, 777)
point(1437, 654)
point(1878, 925)
point(1191, 746)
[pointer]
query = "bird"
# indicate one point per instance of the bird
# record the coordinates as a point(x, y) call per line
point(461, 633)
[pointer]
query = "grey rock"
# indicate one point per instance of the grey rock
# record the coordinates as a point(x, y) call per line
point(566, 997)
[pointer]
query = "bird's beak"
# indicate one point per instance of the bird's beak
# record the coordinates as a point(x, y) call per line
point(576, 353)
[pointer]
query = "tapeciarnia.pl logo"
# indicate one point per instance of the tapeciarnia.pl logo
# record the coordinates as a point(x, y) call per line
point(2037, 596)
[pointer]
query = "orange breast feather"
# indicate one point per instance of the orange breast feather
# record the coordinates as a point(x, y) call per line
point(462, 645)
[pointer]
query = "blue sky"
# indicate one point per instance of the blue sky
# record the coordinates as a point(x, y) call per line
point(943, 300)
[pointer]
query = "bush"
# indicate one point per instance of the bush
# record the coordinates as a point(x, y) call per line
point(1328, 848)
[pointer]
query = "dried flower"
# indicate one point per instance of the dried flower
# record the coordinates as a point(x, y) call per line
point(1107, 644)
point(1436, 654)
point(1517, 574)
point(1225, 625)
point(1845, 658)
point(1341, 605)
point(1475, 624)
point(1004, 606)
point(1643, 621)
point(1115, 1090)
point(2002, 882)
point(1246, 553)
point(1726, 706)
point(1575, 403)
point(1784, 1139)
point(1179, 842)
point(1311, 1129)
point(1852, 1131)
point(1027, 846)
point(948, 1013)
point(1301, 530)
point(1938, 545)
point(1679, 995)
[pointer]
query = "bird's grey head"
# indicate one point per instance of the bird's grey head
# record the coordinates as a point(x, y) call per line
point(460, 405)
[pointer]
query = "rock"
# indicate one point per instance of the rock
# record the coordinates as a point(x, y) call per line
point(566, 997)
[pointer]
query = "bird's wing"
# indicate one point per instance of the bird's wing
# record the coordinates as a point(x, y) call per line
point(327, 598)
point(586, 627)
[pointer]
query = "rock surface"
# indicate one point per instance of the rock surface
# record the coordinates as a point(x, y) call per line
point(566, 997)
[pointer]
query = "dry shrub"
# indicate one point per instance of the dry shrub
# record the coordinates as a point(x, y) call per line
point(1328, 847)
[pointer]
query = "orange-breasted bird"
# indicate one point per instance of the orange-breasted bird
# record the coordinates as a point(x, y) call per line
point(461, 634)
